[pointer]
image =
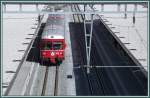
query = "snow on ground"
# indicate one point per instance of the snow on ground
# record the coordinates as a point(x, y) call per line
point(135, 34)
point(16, 28)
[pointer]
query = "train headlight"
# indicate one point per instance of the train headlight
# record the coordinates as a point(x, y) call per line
point(43, 53)
point(52, 53)
point(57, 53)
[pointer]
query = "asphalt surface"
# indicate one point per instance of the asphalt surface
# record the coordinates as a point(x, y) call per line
point(105, 52)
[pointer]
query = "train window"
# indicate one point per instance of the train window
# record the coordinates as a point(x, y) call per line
point(47, 46)
point(57, 45)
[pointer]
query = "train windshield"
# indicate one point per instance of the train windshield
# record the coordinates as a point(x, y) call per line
point(57, 45)
point(47, 46)
point(51, 45)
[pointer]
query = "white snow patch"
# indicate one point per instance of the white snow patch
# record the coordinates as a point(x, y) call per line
point(16, 28)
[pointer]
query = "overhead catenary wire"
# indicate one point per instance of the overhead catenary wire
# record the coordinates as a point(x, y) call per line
point(127, 17)
point(22, 18)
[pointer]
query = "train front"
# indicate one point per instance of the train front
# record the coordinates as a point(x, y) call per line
point(52, 45)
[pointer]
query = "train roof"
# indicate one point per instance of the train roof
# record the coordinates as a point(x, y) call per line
point(54, 28)
point(55, 31)
point(53, 37)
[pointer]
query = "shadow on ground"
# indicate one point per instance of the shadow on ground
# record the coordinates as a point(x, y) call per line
point(34, 53)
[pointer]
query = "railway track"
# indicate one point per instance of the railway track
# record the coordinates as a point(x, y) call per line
point(45, 79)
point(90, 81)
point(95, 84)
point(104, 81)
point(56, 81)
point(114, 58)
point(80, 44)
point(45, 82)
point(48, 84)
point(53, 87)
point(101, 74)
point(76, 17)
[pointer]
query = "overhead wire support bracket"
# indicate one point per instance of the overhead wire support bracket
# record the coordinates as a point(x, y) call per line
point(88, 37)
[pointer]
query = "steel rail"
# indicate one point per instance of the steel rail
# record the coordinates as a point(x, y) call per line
point(100, 72)
point(84, 71)
point(45, 82)
point(125, 49)
point(56, 80)
point(56, 75)
point(115, 66)
point(100, 83)
point(89, 81)
point(77, 15)
point(73, 14)
point(81, 14)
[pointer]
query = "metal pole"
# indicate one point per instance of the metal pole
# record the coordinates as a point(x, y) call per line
point(84, 10)
point(4, 5)
point(85, 32)
point(37, 8)
point(89, 47)
point(65, 27)
point(20, 7)
point(125, 15)
point(102, 7)
point(53, 8)
point(118, 7)
point(39, 19)
point(135, 9)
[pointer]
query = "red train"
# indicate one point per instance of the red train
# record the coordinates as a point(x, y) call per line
point(52, 43)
